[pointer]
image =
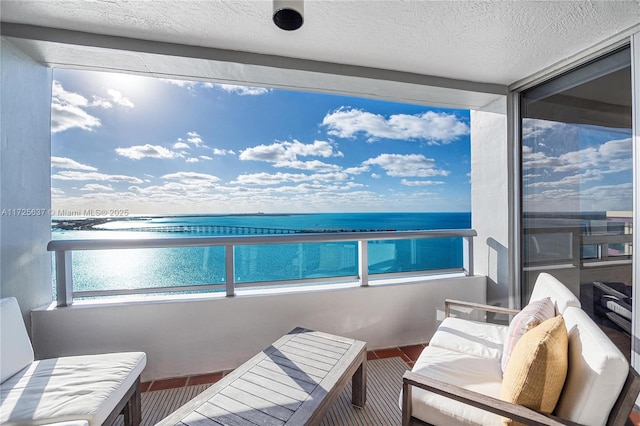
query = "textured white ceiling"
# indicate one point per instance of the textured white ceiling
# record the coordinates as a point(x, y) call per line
point(481, 41)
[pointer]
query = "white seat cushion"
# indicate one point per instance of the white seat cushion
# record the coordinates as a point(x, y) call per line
point(84, 387)
point(548, 286)
point(597, 372)
point(15, 347)
point(479, 339)
point(478, 374)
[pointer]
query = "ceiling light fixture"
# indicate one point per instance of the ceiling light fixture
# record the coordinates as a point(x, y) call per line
point(288, 14)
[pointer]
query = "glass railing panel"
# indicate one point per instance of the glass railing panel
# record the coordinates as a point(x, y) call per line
point(413, 255)
point(127, 269)
point(286, 262)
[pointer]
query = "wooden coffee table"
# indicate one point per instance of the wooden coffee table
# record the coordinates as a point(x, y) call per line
point(292, 382)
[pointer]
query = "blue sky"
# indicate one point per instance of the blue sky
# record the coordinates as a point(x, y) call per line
point(576, 167)
point(156, 146)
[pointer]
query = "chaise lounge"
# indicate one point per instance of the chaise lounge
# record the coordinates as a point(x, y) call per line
point(80, 390)
point(459, 379)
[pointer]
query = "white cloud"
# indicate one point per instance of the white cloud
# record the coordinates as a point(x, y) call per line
point(193, 160)
point(573, 180)
point(118, 99)
point(66, 111)
point(146, 151)
point(192, 177)
point(586, 164)
point(280, 178)
point(181, 83)
point(96, 187)
point(205, 157)
point(430, 126)
point(194, 138)
point(612, 155)
point(68, 163)
point(180, 145)
point(68, 108)
point(101, 102)
point(357, 170)
point(535, 128)
point(285, 154)
point(269, 179)
point(244, 90)
point(406, 182)
point(71, 175)
point(217, 151)
point(410, 165)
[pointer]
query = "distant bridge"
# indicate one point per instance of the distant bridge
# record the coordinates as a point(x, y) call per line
point(215, 229)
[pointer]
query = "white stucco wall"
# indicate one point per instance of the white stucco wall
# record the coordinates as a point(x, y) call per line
point(489, 199)
point(203, 335)
point(25, 182)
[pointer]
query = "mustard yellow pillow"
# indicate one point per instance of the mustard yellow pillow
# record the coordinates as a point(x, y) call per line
point(537, 368)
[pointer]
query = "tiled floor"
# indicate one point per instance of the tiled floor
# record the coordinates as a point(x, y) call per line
point(408, 353)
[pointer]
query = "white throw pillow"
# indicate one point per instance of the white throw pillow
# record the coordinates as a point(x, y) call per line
point(529, 317)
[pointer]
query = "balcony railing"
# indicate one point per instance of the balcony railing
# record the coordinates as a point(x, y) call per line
point(571, 247)
point(64, 248)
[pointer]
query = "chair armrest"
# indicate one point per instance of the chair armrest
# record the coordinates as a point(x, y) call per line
point(497, 406)
point(488, 308)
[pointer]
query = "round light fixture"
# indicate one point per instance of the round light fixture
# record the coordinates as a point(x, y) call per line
point(288, 14)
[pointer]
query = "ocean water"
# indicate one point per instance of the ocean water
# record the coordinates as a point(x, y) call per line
point(152, 268)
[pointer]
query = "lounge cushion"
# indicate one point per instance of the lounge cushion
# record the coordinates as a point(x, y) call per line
point(76, 388)
point(530, 316)
point(537, 369)
point(15, 351)
point(597, 371)
point(548, 286)
point(478, 374)
point(470, 337)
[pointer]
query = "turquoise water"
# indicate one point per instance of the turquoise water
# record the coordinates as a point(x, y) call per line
point(142, 268)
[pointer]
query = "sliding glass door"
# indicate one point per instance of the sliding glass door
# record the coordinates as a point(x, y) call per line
point(576, 179)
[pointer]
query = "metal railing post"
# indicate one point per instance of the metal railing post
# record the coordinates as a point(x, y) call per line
point(64, 278)
point(576, 247)
point(229, 270)
point(467, 255)
point(363, 262)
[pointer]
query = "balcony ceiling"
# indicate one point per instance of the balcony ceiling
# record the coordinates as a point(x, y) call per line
point(494, 42)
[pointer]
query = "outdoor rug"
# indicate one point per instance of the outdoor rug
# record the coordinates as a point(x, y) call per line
point(384, 381)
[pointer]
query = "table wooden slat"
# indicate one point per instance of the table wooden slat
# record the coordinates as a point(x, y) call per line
point(269, 383)
point(257, 403)
point(288, 349)
point(308, 369)
point(298, 344)
point(267, 394)
point(245, 411)
point(302, 339)
point(284, 379)
point(293, 372)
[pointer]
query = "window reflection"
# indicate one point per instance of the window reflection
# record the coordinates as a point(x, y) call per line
point(577, 190)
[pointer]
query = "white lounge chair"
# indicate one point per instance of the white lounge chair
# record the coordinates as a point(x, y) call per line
point(95, 389)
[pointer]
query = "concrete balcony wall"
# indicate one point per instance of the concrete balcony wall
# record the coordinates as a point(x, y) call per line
point(490, 199)
point(25, 179)
point(208, 334)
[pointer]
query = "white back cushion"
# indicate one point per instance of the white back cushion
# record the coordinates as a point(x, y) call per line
point(548, 286)
point(597, 372)
point(15, 347)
